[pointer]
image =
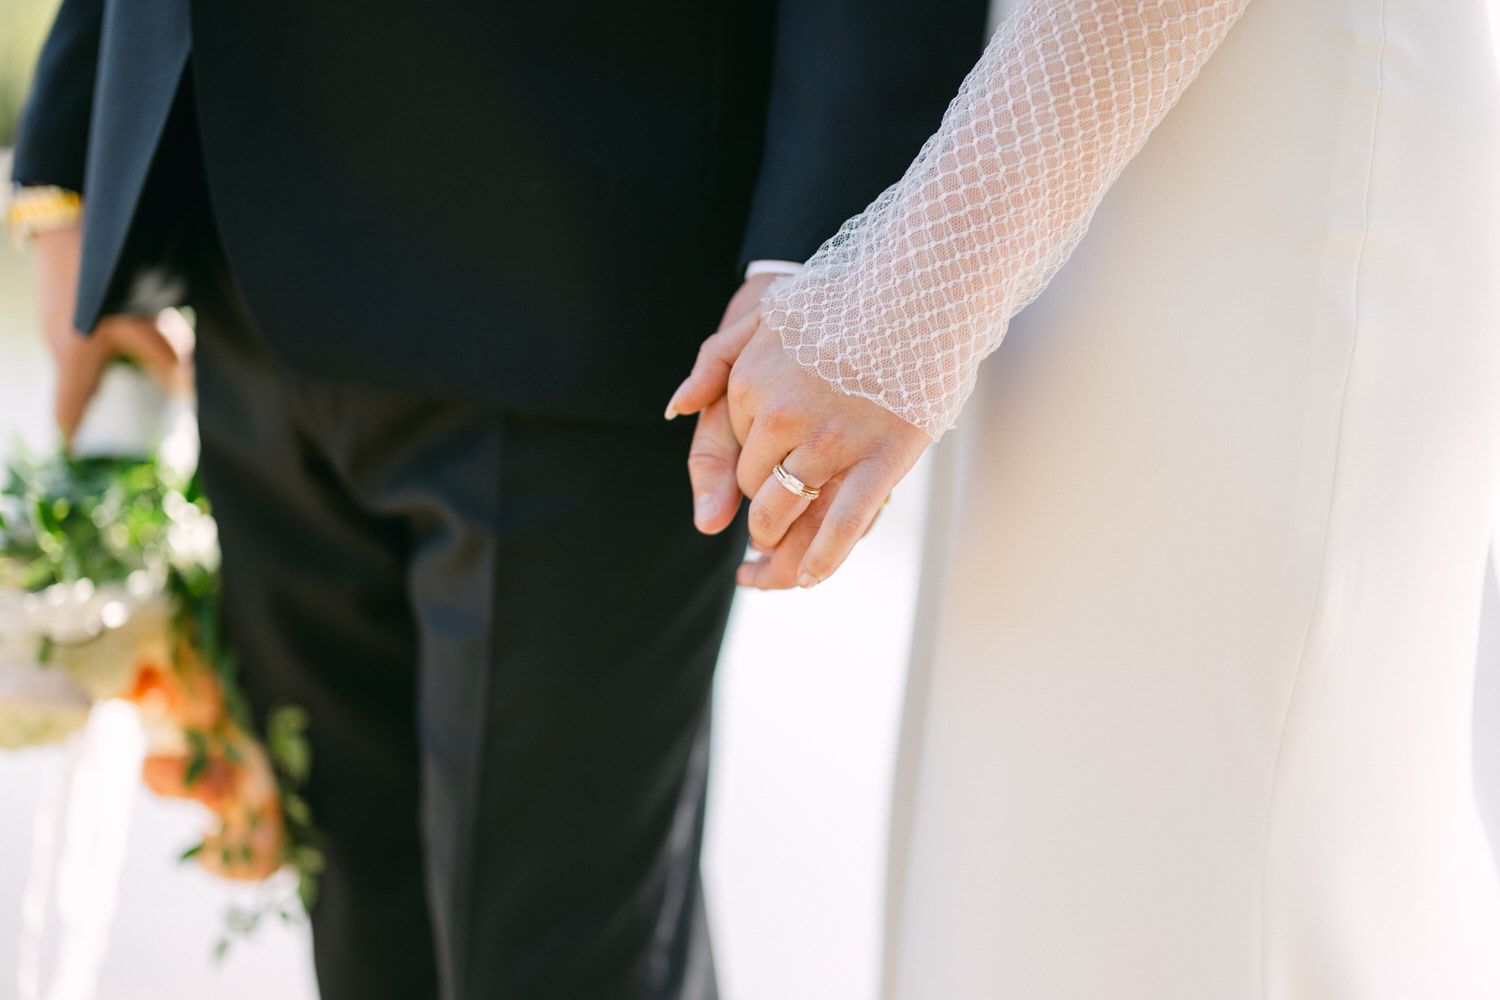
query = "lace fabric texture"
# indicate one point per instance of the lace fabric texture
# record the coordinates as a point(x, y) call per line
point(905, 301)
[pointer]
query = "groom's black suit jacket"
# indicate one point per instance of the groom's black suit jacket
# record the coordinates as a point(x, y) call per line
point(534, 203)
point(541, 205)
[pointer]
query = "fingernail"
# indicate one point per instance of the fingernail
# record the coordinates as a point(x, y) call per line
point(807, 581)
point(705, 506)
point(672, 413)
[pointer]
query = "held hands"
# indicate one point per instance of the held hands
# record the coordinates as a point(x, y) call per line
point(81, 360)
point(747, 388)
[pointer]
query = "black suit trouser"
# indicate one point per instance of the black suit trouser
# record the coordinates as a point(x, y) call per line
point(504, 628)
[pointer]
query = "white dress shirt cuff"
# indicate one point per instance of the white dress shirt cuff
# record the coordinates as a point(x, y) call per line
point(771, 267)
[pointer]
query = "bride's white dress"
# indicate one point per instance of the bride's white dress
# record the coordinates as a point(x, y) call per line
point(1190, 711)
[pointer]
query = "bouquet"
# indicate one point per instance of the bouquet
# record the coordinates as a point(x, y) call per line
point(109, 589)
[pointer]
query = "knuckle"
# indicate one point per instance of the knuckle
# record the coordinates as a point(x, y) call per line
point(721, 346)
point(706, 462)
point(762, 521)
point(776, 420)
point(818, 573)
point(738, 390)
point(822, 444)
point(819, 563)
point(779, 579)
point(844, 526)
point(774, 572)
point(884, 460)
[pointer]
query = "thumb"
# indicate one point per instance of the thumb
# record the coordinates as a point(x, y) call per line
point(712, 460)
point(709, 378)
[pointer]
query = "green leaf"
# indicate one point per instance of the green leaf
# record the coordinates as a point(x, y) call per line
point(296, 809)
point(286, 740)
point(66, 519)
point(198, 763)
point(192, 852)
point(309, 860)
point(307, 891)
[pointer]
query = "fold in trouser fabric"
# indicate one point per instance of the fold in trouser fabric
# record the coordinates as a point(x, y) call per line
point(504, 629)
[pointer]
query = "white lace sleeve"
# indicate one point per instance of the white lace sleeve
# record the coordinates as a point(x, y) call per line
point(906, 300)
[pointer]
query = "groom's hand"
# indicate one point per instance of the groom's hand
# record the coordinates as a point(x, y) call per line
point(715, 451)
point(81, 360)
point(851, 449)
point(747, 299)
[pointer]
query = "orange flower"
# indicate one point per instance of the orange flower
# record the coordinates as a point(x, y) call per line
point(212, 785)
point(187, 693)
point(232, 776)
point(248, 846)
point(251, 840)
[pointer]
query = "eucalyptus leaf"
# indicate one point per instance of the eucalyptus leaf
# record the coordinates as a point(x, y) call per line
point(286, 740)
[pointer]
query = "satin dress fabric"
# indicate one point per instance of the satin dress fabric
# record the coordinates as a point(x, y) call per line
point(1190, 706)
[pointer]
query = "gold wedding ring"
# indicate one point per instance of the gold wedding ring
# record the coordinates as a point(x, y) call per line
point(794, 486)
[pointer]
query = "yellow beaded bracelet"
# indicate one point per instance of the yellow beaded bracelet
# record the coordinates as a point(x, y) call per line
point(36, 210)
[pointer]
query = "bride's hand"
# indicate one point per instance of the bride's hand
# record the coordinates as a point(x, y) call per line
point(851, 449)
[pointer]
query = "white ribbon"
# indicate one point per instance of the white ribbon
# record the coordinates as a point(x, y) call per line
point(88, 803)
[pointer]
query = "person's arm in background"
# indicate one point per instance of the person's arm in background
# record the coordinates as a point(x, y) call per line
point(53, 138)
point(50, 157)
point(857, 86)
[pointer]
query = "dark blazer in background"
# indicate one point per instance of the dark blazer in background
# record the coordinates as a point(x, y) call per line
point(530, 203)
